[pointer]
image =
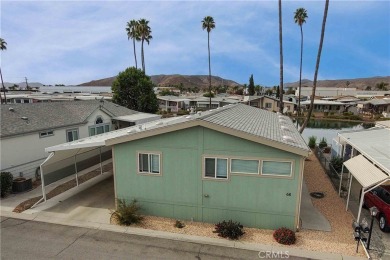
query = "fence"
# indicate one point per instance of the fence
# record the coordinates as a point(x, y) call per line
point(325, 160)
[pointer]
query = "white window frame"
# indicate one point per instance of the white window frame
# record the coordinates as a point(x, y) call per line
point(99, 125)
point(245, 173)
point(215, 169)
point(277, 175)
point(149, 153)
point(72, 130)
point(46, 133)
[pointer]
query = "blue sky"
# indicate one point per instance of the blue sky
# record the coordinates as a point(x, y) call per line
point(71, 42)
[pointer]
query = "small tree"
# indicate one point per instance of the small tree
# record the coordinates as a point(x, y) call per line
point(134, 90)
point(251, 88)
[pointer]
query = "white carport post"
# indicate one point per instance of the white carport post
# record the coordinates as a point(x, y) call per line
point(75, 167)
point(42, 176)
point(349, 190)
point(342, 168)
point(100, 154)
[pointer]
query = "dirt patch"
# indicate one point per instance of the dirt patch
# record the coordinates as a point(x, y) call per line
point(25, 205)
point(339, 240)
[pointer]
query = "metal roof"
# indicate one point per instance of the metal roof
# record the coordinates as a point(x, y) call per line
point(373, 143)
point(240, 120)
point(52, 115)
point(365, 172)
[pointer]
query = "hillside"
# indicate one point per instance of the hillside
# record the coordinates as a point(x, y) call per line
point(200, 81)
point(360, 83)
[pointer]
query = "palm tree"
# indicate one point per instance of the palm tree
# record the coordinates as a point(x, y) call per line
point(281, 57)
point(3, 46)
point(144, 33)
point(300, 16)
point(132, 33)
point(317, 67)
point(208, 24)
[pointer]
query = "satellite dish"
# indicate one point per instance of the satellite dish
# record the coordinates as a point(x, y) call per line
point(285, 110)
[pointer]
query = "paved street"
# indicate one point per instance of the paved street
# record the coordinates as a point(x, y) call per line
point(22, 239)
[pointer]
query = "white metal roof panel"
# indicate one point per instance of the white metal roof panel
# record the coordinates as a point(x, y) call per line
point(366, 173)
point(373, 143)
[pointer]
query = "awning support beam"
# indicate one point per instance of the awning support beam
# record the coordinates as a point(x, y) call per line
point(75, 168)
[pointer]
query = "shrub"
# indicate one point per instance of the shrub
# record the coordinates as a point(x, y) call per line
point(6, 179)
point(179, 224)
point(323, 143)
point(128, 214)
point(337, 163)
point(284, 236)
point(312, 141)
point(229, 229)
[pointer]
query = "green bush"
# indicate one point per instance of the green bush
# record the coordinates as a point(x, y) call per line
point(312, 141)
point(229, 229)
point(179, 224)
point(337, 163)
point(6, 179)
point(323, 143)
point(128, 214)
point(284, 236)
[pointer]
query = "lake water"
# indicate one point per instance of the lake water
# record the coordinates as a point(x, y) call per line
point(329, 129)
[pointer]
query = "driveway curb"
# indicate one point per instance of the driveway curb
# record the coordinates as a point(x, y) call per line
point(179, 237)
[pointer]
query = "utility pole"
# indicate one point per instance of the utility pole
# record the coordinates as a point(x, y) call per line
point(26, 83)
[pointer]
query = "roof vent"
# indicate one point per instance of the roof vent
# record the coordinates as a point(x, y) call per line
point(160, 123)
point(24, 117)
point(11, 109)
point(288, 139)
point(131, 131)
point(285, 128)
point(188, 117)
point(282, 120)
point(199, 113)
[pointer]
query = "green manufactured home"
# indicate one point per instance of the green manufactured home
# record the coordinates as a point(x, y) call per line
point(235, 162)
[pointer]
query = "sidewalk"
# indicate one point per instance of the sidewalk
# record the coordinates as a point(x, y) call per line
point(53, 218)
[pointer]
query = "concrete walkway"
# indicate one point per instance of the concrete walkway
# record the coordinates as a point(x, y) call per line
point(310, 216)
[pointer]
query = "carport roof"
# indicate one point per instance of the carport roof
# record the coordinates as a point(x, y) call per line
point(366, 173)
point(373, 143)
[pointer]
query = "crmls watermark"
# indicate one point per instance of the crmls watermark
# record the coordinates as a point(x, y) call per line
point(274, 255)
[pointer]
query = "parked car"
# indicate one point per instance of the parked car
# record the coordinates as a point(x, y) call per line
point(380, 198)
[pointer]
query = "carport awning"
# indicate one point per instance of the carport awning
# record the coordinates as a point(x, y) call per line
point(366, 173)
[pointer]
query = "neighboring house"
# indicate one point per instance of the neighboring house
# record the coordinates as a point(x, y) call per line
point(272, 104)
point(172, 103)
point(17, 98)
point(236, 162)
point(324, 105)
point(336, 92)
point(377, 106)
point(253, 101)
point(202, 103)
point(27, 129)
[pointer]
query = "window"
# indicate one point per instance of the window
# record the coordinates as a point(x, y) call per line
point(268, 105)
point(99, 129)
point(46, 133)
point(276, 168)
point(215, 168)
point(99, 120)
point(244, 166)
point(72, 135)
point(149, 163)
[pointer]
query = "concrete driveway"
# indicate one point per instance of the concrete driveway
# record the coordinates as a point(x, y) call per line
point(92, 204)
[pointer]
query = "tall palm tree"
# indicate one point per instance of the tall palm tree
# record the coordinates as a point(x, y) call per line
point(300, 16)
point(317, 67)
point(132, 33)
point(281, 57)
point(144, 33)
point(3, 46)
point(208, 24)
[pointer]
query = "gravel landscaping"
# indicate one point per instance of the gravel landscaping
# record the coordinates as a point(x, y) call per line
point(339, 240)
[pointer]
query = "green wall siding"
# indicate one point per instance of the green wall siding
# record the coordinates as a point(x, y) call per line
point(255, 201)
